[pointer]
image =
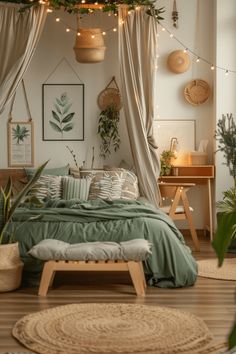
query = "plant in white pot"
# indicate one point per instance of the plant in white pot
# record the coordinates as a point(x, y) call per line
point(11, 265)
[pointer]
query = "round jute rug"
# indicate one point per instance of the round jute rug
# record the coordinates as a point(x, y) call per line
point(208, 268)
point(113, 328)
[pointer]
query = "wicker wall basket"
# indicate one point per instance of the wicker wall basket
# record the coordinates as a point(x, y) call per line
point(89, 45)
point(10, 267)
point(197, 92)
point(178, 61)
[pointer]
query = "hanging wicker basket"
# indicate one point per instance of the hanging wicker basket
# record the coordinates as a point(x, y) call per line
point(89, 45)
point(110, 96)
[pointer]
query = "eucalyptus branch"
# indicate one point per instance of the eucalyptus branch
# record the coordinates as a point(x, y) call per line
point(73, 155)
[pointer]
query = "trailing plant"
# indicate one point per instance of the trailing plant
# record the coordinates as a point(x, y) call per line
point(166, 162)
point(226, 219)
point(71, 6)
point(108, 130)
point(62, 119)
point(7, 208)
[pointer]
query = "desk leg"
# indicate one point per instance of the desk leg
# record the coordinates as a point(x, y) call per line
point(210, 208)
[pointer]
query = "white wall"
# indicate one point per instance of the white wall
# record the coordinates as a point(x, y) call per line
point(225, 25)
point(56, 44)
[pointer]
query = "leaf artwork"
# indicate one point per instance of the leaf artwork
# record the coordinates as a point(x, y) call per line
point(20, 133)
point(62, 119)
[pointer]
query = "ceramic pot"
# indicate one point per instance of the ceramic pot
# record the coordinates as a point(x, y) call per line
point(11, 267)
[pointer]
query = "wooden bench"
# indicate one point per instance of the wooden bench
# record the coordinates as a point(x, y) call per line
point(134, 268)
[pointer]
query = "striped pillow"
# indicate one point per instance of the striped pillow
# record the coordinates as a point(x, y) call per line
point(75, 188)
point(47, 186)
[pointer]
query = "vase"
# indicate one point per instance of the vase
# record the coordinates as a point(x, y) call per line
point(11, 267)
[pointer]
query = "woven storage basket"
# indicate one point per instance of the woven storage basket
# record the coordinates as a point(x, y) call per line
point(10, 267)
point(89, 45)
point(109, 96)
point(197, 92)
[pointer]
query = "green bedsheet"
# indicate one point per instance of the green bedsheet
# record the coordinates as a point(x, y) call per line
point(170, 264)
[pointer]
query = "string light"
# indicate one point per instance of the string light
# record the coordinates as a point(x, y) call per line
point(68, 30)
point(114, 29)
point(103, 33)
point(92, 36)
point(49, 10)
point(198, 58)
point(83, 1)
point(58, 19)
point(78, 34)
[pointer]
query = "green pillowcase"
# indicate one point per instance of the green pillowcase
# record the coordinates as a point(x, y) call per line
point(58, 171)
point(75, 188)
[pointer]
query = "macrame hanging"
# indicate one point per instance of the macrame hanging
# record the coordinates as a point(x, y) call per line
point(89, 45)
point(175, 15)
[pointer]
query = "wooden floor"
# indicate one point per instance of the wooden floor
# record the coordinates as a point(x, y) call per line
point(212, 300)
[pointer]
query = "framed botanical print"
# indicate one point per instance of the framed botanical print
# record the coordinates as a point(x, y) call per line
point(63, 112)
point(20, 144)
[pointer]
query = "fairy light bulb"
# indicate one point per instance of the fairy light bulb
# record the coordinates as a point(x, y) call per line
point(171, 35)
point(185, 50)
point(49, 10)
point(83, 1)
point(78, 34)
point(212, 67)
point(114, 29)
point(129, 12)
point(68, 29)
point(197, 60)
point(103, 33)
point(122, 22)
point(96, 3)
point(92, 36)
point(226, 72)
point(163, 29)
point(57, 19)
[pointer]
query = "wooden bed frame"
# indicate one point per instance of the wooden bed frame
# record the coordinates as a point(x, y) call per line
point(15, 173)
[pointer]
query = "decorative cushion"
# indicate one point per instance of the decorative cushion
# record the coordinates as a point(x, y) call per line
point(105, 184)
point(58, 171)
point(130, 188)
point(75, 172)
point(75, 188)
point(47, 186)
point(50, 249)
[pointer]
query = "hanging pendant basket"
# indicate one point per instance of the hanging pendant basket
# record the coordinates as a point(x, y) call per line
point(89, 45)
point(110, 97)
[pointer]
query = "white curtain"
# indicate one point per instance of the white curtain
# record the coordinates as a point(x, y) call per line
point(138, 60)
point(19, 35)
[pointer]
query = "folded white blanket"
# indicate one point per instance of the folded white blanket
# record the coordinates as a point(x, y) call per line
point(51, 249)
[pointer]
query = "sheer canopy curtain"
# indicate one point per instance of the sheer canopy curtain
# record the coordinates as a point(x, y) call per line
point(19, 35)
point(138, 60)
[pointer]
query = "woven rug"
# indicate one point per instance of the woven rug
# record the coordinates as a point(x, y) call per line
point(209, 269)
point(113, 328)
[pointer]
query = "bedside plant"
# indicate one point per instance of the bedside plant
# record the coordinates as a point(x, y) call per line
point(226, 218)
point(11, 265)
point(166, 162)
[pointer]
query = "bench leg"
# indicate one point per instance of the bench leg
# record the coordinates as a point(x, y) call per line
point(137, 277)
point(47, 278)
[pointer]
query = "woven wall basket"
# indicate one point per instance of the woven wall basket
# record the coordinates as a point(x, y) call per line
point(197, 92)
point(178, 61)
point(89, 45)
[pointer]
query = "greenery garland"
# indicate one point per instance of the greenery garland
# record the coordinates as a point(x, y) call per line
point(71, 6)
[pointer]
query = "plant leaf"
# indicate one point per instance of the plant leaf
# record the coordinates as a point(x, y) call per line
point(224, 234)
point(55, 116)
point(66, 108)
point(68, 118)
point(55, 126)
point(232, 337)
point(57, 108)
point(59, 102)
point(68, 127)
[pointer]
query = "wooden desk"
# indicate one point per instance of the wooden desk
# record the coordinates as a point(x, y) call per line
point(198, 174)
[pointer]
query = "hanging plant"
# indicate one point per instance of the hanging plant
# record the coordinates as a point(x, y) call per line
point(71, 6)
point(108, 130)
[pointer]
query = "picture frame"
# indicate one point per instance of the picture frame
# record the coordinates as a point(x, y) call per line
point(63, 112)
point(20, 144)
point(182, 129)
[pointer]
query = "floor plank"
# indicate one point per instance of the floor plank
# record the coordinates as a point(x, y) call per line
point(212, 300)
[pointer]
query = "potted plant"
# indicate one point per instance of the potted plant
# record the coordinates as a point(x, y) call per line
point(226, 217)
point(108, 129)
point(166, 159)
point(10, 264)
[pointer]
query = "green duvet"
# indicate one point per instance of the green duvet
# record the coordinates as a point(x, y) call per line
point(170, 264)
